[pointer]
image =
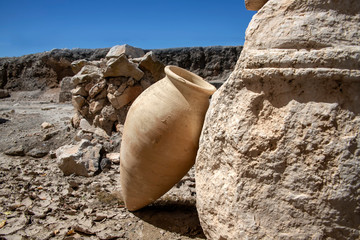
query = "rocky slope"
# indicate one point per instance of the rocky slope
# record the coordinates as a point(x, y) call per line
point(41, 70)
point(47, 69)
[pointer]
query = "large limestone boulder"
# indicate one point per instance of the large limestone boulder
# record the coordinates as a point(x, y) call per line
point(279, 155)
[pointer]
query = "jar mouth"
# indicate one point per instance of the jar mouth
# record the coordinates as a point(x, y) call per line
point(190, 79)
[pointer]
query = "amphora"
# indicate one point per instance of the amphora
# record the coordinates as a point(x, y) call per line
point(161, 136)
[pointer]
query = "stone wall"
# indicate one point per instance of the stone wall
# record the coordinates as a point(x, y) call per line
point(102, 91)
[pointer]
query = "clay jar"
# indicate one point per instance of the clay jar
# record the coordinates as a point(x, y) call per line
point(161, 136)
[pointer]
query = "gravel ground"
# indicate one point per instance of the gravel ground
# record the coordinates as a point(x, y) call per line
point(38, 202)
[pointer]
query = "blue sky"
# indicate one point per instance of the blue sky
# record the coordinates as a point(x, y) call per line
point(31, 26)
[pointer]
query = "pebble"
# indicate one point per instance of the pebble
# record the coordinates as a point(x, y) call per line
point(15, 151)
point(37, 152)
point(46, 125)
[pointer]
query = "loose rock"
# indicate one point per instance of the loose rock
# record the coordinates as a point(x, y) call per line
point(82, 159)
point(37, 152)
point(129, 51)
point(15, 151)
point(121, 66)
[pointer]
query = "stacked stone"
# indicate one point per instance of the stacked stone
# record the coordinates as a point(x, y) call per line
point(104, 90)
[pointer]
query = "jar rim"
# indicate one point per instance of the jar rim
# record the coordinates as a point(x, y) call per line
point(190, 79)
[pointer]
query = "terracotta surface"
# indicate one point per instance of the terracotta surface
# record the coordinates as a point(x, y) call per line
point(161, 135)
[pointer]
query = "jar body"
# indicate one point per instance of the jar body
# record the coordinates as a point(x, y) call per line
point(160, 139)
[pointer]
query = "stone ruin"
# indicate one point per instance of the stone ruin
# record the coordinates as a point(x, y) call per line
point(102, 91)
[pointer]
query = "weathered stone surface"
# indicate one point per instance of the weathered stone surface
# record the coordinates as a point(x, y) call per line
point(151, 64)
point(97, 105)
point(82, 159)
point(46, 69)
point(86, 127)
point(79, 91)
point(66, 85)
point(279, 156)
point(78, 101)
point(87, 73)
point(97, 88)
point(254, 4)
point(77, 65)
point(121, 66)
point(129, 51)
point(37, 152)
point(114, 157)
point(126, 97)
point(109, 113)
point(15, 151)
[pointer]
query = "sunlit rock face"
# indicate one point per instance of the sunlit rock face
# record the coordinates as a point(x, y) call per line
point(279, 155)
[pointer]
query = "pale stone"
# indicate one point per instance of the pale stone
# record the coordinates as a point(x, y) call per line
point(254, 4)
point(129, 51)
point(97, 105)
point(279, 155)
point(77, 65)
point(121, 66)
point(151, 64)
point(97, 88)
point(79, 91)
point(78, 101)
point(86, 74)
point(87, 127)
point(82, 159)
point(126, 97)
point(75, 120)
point(114, 157)
point(46, 125)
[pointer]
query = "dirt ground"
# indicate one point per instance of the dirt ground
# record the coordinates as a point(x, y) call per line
point(38, 202)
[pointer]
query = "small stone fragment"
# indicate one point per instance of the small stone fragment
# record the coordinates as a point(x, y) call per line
point(37, 152)
point(16, 151)
point(50, 135)
point(105, 164)
point(46, 125)
point(114, 157)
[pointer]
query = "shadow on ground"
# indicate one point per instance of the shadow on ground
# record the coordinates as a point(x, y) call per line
point(181, 218)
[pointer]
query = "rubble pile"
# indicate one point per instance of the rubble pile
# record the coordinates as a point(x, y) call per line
point(102, 91)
